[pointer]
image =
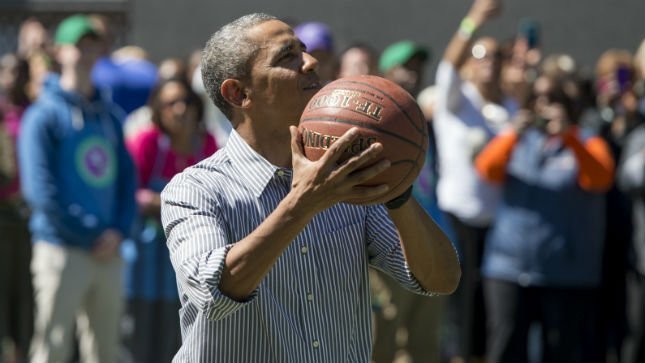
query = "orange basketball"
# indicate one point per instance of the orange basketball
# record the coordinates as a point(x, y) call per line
point(383, 112)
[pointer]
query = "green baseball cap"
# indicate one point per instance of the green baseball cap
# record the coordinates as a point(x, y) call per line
point(73, 28)
point(399, 53)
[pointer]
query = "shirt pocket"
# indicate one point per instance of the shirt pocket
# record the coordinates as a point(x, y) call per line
point(344, 254)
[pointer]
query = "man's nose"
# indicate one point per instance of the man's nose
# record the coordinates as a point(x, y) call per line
point(309, 63)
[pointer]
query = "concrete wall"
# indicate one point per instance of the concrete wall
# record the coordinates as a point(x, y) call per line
point(584, 28)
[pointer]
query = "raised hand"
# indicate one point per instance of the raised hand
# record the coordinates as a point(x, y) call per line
point(325, 182)
point(484, 10)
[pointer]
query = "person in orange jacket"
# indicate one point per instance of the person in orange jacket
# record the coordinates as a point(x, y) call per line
point(543, 255)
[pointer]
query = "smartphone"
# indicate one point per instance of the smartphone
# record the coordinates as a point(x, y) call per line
point(623, 78)
point(529, 29)
point(540, 122)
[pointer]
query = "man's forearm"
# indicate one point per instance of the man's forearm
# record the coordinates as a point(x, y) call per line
point(427, 250)
point(250, 259)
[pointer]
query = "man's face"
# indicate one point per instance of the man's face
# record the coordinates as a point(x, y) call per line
point(486, 61)
point(91, 49)
point(283, 75)
point(408, 75)
point(357, 62)
point(82, 55)
point(549, 107)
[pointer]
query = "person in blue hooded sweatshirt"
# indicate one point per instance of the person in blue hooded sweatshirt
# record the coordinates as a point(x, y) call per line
point(79, 181)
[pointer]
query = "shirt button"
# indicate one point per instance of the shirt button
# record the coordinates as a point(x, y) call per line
point(304, 250)
point(315, 344)
point(310, 297)
point(280, 173)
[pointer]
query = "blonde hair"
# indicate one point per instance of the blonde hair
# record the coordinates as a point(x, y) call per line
point(613, 59)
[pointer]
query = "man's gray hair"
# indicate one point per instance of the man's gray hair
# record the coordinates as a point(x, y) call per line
point(227, 54)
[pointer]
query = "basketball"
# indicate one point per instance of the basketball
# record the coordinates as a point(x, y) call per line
point(383, 112)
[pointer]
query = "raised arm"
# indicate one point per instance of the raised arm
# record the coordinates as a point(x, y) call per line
point(480, 12)
point(595, 163)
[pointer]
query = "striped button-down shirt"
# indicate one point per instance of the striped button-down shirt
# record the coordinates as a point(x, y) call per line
point(314, 304)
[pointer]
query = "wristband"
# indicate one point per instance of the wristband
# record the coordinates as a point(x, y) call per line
point(467, 27)
point(400, 200)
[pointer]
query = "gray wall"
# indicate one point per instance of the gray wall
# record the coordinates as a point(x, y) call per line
point(584, 28)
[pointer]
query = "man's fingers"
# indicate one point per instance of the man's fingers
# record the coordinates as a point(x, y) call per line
point(336, 150)
point(368, 173)
point(370, 193)
point(361, 159)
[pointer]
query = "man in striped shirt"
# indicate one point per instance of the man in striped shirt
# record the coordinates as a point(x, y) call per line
point(271, 264)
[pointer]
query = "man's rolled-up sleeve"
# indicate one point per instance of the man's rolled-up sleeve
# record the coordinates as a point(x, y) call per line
point(198, 241)
point(385, 252)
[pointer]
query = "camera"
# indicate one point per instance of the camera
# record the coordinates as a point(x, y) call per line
point(540, 122)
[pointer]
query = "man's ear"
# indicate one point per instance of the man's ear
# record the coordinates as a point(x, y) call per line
point(234, 93)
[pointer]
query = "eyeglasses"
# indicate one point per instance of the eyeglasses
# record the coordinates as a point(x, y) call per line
point(186, 101)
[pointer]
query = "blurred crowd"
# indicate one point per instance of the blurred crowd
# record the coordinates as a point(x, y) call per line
point(536, 170)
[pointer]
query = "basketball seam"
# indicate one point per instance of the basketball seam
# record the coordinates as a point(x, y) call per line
point(409, 118)
point(375, 91)
point(415, 163)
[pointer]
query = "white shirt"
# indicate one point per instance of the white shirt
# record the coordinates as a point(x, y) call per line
point(463, 123)
point(314, 304)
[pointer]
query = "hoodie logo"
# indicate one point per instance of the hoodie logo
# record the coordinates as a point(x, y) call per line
point(95, 162)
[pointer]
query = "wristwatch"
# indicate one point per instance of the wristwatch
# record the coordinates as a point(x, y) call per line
point(400, 200)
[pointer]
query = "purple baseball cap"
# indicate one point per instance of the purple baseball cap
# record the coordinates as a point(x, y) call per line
point(316, 36)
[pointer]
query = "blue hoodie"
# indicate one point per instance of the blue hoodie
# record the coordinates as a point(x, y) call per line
point(76, 173)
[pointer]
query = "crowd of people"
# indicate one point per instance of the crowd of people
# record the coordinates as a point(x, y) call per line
point(535, 172)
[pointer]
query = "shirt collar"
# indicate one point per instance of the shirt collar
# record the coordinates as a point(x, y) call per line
point(254, 169)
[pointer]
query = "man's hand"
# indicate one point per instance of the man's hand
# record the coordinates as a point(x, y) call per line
point(316, 186)
point(324, 183)
point(484, 10)
point(107, 245)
